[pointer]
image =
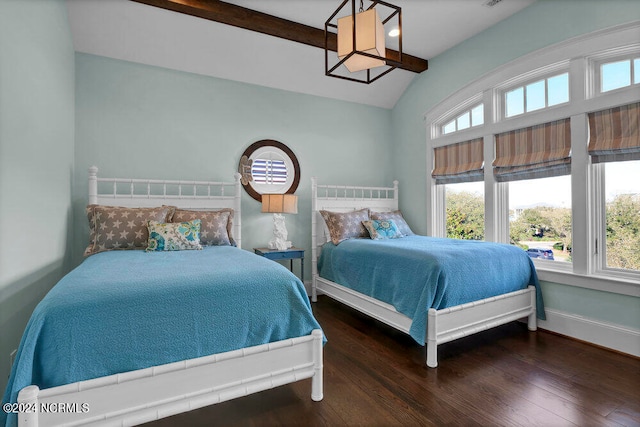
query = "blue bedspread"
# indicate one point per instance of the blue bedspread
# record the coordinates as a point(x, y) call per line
point(416, 273)
point(126, 310)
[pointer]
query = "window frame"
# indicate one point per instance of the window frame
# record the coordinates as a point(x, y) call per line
point(453, 114)
point(454, 120)
point(586, 54)
point(598, 195)
point(444, 195)
point(542, 263)
point(522, 81)
point(596, 61)
point(258, 149)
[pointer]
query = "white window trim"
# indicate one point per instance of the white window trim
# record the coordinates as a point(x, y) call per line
point(628, 52)
point(542, 73)
point(600, 232)
point(585, 52)
point(454, 113)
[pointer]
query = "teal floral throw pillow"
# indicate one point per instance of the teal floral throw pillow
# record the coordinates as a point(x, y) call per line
point(174, 236)
point(382, 229)
point(395, 216)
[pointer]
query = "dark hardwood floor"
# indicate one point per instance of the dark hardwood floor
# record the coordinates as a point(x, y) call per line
point(376, 376)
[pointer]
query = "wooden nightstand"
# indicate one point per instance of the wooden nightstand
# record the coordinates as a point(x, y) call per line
point(290, 254)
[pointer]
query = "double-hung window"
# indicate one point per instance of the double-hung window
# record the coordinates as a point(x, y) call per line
point(459, 170)
point(614, 147)
point(532, 163)
point(536, 163)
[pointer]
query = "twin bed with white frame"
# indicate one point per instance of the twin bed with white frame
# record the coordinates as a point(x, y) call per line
point(443, 325)
point(147, 394)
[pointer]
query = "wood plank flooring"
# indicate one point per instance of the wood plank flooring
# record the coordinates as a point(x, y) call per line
point(507, 376)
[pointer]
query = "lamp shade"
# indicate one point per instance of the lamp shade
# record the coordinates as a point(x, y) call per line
point(280, 203)
point(369, 39)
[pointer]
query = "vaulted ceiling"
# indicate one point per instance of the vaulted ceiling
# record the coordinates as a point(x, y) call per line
point(147, 34)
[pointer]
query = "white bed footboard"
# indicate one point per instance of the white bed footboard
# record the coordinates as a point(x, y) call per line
point(456, 322)
point(149, 394)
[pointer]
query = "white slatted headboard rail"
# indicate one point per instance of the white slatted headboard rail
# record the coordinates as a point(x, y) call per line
point(197, 195)
point(343, 198)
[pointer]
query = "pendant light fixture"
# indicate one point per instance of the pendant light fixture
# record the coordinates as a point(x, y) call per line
point(360, 36)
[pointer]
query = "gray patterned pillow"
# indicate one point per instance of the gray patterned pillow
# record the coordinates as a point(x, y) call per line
point(216, 225)
point(115, 227)
point(346, 225)
point(395, 216)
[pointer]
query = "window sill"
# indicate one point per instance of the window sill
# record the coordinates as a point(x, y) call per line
point(596, 282)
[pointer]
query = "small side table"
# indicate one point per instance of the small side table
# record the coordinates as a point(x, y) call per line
point(290, 254)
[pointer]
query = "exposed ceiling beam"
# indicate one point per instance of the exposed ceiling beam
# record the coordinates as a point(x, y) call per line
point(238, 16)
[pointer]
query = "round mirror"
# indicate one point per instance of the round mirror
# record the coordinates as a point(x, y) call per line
point(269, 166)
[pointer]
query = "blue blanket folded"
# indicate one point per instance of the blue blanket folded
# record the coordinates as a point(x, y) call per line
point(125, 310)
point(416, 273)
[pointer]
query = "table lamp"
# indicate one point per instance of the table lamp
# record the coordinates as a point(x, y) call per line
point(279, 204)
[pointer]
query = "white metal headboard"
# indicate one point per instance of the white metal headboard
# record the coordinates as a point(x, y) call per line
point(343, 198)
point(197, 195)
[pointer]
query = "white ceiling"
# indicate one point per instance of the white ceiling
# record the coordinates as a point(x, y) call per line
point(135, 32)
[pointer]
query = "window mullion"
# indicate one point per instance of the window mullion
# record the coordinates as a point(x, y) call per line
point(582, 246)
point(598, 252)
point(502, 212)
point(578, 81)
point(435, 207)
point(581, 212)
point(489, 117)
point(440, 218)
point(546, 93)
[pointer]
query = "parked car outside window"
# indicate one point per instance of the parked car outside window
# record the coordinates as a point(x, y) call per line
point(540, 253)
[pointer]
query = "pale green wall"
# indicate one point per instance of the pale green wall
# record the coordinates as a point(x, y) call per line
point(140, 121)
point(542, 24)
point(36, 159)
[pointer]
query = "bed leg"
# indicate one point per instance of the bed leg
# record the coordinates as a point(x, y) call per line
point(532, 320)
point(314, 291)
point(432, 335)
point(432, 354)
point(28, 398)
point(317, 392)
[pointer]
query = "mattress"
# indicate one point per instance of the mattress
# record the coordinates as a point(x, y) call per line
point(416, 273)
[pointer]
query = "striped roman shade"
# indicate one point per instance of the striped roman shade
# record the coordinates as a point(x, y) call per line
point(614, 134)
point(461, 162)
point(539, 151)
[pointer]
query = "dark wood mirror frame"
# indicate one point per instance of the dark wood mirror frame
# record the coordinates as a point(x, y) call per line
point(287, 151)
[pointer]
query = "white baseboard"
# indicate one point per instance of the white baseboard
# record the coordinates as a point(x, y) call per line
point(609, 335)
